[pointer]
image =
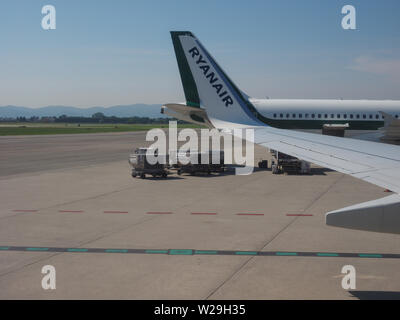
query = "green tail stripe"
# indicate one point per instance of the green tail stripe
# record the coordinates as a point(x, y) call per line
point(188, 83)
point(77, 250)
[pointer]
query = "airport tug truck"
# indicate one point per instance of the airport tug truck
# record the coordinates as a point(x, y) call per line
point(141, 166)
point(283, 163)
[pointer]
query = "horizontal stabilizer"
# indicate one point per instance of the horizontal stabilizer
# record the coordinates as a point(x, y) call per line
point(186, 113)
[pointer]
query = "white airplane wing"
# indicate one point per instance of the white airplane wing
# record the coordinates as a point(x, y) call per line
point(373, 162)
point(208, 88)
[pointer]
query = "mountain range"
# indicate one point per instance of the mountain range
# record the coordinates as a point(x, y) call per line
point(138, 110)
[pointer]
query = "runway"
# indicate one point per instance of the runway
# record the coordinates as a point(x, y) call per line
point(69, 201)
point(37, 153)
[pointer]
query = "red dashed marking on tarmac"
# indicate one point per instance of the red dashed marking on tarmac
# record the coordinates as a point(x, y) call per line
point(158, 212)
point(169, 212)
point(205, 213)
point(115, 211)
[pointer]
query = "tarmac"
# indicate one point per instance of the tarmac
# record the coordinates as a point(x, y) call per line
point(69, 201)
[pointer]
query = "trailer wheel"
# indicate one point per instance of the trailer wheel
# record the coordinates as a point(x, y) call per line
point(179, 172)
point(143, 176)
point(164, 175)
point(133, 175)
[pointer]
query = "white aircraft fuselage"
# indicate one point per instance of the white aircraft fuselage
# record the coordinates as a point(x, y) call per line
point(314, 113)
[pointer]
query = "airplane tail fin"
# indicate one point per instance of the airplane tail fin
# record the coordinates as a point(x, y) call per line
point(207, 86)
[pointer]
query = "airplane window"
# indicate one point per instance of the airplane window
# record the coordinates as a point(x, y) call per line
point(332, 115)
point(325, 116)
point(300, 115)
point(358, 116)
point(370, 116)
point(313, 116)
point(306, 115)
point(281, 115)
point(364, 116)
point(345, 116)
point(338, 116)
point(287, 115)
point(351, 116)
point(274, 115)
point(319, 116)
point(377, 116)
point(396, 116)
point(294, 115)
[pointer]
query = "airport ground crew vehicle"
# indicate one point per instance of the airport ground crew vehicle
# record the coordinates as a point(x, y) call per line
point(283, 163)
point(141, 166)
point(196, 165)
point(337, 130)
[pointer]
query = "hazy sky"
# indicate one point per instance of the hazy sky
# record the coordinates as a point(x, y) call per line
point(120, 52)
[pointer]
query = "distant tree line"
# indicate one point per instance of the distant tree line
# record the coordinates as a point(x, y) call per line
point(98, 117)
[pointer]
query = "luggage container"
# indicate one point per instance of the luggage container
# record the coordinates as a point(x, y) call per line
point(337, 130)
point(214, 164)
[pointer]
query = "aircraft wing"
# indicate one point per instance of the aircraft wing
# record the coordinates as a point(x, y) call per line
point(373, 162)
point(377, 163)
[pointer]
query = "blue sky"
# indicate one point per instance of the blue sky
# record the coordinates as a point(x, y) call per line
point(120, 52)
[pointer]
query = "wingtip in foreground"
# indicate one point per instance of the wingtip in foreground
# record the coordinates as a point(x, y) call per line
point(381, 215)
